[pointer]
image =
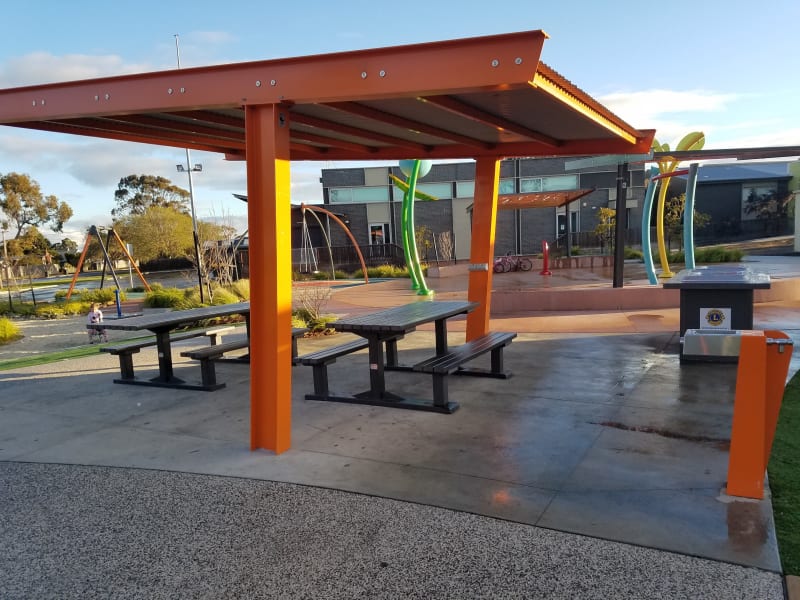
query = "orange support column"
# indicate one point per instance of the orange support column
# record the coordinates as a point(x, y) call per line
point(269, 222)
point(484, 214)
point(760, 382)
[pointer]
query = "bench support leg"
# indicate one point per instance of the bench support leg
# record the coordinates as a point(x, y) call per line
point(126, 365)
point(497, 360)
point(321, 380)
point(208, 372)
point(440, 393)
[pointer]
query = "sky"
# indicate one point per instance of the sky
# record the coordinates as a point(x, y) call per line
point(727, 68)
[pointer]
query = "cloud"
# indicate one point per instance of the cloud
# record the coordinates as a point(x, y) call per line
point(648, 106)
point(43, 67)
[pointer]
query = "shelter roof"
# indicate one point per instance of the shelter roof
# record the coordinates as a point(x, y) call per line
point(465, 98)
point(540, 199)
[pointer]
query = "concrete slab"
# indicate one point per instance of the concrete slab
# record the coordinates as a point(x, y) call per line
point(585, 421)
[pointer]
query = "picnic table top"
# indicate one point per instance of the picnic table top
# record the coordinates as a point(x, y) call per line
point(171, 319)
point(719, 277)
point(403, 318)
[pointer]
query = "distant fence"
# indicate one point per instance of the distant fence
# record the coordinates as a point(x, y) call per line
point(345, 258)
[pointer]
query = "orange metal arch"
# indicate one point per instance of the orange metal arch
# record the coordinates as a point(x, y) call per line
point(325, 211)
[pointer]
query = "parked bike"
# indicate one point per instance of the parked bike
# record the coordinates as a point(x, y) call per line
point(504, 264)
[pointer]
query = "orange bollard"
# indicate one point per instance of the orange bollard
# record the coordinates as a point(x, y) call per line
point(760, 381)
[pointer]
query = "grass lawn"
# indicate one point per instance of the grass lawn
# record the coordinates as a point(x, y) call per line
point(784, 478)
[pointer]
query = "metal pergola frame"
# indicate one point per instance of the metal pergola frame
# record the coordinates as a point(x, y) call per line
point(484, 98)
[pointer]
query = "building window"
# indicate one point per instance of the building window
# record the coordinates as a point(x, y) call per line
point(466, 189)
point(378, 233)
point(440, 191)
point(759, 201)
point(359, 195)
point(548, 184)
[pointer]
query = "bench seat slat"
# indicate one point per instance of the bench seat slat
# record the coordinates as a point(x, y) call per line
point(217, 350)
point(450, 362)
point(330, 354)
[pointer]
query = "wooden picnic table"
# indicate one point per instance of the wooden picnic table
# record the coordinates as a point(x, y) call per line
point(385, 327)
point(162, 324)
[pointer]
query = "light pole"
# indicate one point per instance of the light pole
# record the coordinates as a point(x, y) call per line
point(189, 169)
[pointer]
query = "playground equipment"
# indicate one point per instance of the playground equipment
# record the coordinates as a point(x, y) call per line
point(93, 231)
point(306, 250)
point(413, 170)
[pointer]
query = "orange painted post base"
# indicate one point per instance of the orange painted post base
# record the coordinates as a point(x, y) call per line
point(760, 380)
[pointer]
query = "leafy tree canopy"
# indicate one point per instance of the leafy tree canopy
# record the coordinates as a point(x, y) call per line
point(136, 193)
point(24, 205)
point(164, 232)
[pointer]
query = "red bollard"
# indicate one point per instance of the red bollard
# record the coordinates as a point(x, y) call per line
point(545, 259)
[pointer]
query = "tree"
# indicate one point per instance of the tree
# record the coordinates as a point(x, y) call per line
point(606, 222)
point(157, 232)
point(24, 205)
point(136, 193)
point(67, 246)
point(165, 232)
point(673, 218)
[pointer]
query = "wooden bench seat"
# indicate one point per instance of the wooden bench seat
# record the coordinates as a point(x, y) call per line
point(322, 358)
point(126, 350)
point(451, 362)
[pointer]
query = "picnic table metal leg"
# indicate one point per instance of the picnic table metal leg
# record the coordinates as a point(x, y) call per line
point(377, 379)
point(441, 337)
point(164, 348)
point(391, 353)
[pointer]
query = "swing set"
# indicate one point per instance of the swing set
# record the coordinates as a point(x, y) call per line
point(93, 231)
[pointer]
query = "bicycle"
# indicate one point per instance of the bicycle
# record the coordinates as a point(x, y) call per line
point(504, 264)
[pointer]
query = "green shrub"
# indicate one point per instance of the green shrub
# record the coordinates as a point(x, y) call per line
point(708, 254)
point(23, 309)
point(241, 288)
point(222, 296)
point(101, 296)
point(161, 297)
point(298, 322)
point(631, 253)
point(383, 272)
point(8, 331)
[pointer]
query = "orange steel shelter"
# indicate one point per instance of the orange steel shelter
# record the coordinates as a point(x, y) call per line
point(484, 98)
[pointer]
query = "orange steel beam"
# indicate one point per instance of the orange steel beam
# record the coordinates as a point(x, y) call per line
point(269, 219)
point(307, 151)
point(384, 117)
point(194, 128)
point(139, 138)
point(298, 134)
point(364, 134)
point(484, 216)
point(760, 381)
point(112, 124)
point(458, 107)
point(212, 117)
point(485, 63)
